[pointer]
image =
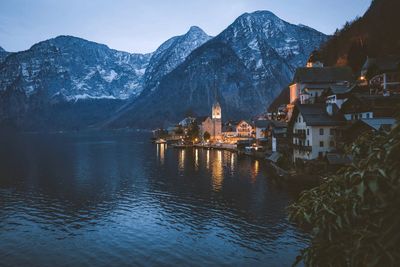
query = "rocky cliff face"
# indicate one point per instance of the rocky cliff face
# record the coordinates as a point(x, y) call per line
point(66, 69)
point(3, 54)
point(245, 68)
point(172, 53)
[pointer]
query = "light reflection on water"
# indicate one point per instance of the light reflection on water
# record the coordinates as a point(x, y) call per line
point(115, 199)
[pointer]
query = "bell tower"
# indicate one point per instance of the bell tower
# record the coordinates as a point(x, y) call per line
point(216, 111)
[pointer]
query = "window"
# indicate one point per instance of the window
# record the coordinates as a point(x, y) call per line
point(321, 144)
point(308, 131)
point(367, 115)
point(320, 154)
point(308, 142)
point(321, 131)
point(331, 131)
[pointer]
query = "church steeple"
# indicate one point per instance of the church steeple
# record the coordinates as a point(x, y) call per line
point(216, 111)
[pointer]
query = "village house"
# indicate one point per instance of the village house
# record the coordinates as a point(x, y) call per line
point(338, 94)
point(382, 75)
point(312, 128)
point(364, 125)
point(245, 129)
point(365, 106)
point(187, 121)
point(272, 134)
point(229, 130)
point(309, 83)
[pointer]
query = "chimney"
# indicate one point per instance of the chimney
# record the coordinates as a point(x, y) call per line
point(329, 109)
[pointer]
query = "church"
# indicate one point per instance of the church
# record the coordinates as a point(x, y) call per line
point(213, 124)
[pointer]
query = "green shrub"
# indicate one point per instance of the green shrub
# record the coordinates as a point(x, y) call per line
point(355, 214)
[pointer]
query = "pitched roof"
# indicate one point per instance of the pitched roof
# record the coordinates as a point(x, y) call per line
point(383, 64)
point(201, 119)
point(377, 123)
point(341, 89)
point(316, 115)
point(323, 75)
point(364, 102)
point(262, 123)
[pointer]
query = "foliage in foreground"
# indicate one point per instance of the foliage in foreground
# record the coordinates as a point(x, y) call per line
point(355, 215)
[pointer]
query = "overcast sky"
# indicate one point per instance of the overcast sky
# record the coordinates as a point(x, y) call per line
point(142, 25)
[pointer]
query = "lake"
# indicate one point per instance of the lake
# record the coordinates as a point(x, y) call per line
point(115, 199)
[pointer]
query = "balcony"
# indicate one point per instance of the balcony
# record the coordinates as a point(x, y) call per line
point(302, 148)
point(300, 135)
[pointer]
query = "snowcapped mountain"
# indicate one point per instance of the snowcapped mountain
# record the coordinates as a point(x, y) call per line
point(71, 68)
point(172, 53)
point(245, 67)
point(67, 82)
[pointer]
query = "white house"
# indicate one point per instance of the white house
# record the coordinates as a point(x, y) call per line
point(312, 128)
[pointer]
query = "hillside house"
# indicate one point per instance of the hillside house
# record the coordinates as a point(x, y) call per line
point(309, 83)
point(382, 74)
point(312, 128)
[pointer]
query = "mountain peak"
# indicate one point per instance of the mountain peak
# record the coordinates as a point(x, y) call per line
point(196, 31)
point(172, 53)
point(2, 50)
point(195, 28)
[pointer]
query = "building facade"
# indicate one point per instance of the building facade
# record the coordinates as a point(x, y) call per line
point(313, 131)
point(213, 124)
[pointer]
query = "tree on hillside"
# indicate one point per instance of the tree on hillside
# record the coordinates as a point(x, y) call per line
point(355, 215)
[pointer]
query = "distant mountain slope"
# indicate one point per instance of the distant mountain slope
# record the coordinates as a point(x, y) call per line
point(172, 53)
point(245, 67)
point(377, 33)
point(73, 68)
point(66, 69)
point(3, 54)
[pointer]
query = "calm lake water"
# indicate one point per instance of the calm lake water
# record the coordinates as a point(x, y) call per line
point(115, 199)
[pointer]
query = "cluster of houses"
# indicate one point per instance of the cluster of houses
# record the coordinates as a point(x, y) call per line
point(327, 107)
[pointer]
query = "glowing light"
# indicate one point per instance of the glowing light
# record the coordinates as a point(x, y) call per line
point(196, 159)
point(162, 153)
point(181, 160)
point(217, 172)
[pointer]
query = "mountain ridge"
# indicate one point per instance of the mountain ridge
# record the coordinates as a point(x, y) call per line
point(268, 50)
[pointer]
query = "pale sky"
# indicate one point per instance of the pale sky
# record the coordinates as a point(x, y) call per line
point(142, 25)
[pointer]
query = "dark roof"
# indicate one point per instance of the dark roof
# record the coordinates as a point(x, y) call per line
point(228, 128)
point(316, 115)
point(377, 123)
point(279, 124)
point(383, 64)
point(323, 75)
point(364, 102)
point(262, 123)
point(247, 121)
point(341, 89)
point(200, 119)
point(281, 99)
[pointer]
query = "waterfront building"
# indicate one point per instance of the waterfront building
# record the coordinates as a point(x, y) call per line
point(213, 124)
point(312, 130)
point(245, 129)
